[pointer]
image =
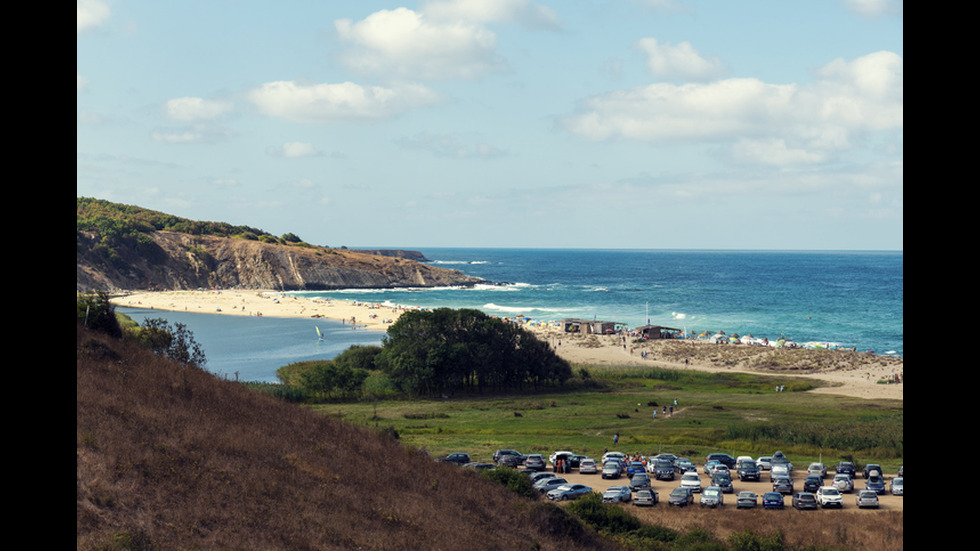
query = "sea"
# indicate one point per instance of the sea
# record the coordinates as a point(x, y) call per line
point(847, 299)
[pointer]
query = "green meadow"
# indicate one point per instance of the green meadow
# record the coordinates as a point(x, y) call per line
point(739, 414)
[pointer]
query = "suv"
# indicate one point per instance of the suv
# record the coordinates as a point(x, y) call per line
point(828, 496)
point(663, 469)
point(458, 458)
point(723, 481)
point(722, 458)
point(500, 453)
point(872, 467)
point(812, 483)
point(748, 470)
point(535, 462)
point(845, 467)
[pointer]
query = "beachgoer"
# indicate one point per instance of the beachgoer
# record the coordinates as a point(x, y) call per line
point(616, 438)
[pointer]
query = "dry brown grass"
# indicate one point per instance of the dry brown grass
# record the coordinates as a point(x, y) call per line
point(170, 457)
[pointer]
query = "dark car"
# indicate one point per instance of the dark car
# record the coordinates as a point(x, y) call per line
point(804, 500)
point(663, 469)
point(875, 482)
point(872, 467)
point(772, 500)
point(782, 485)
point(500, 453)
point(512, 461)
point(639, 481)
point(748, 470)
point(845, 467)
point(723, 482)
point(812, 483)
point(722, 458)
point(457, 458)
point(681, 497)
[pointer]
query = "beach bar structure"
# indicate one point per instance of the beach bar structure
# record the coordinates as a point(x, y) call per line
point(651, 332)
point(592, 327)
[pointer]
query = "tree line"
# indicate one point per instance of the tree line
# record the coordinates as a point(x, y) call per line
point(436, 352)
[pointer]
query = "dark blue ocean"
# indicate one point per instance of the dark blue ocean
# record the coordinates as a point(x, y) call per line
point(853, 299)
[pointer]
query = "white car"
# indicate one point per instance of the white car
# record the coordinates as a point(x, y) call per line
point(554, 456)
point(817, 469)
point(843, 483)
point(828, 496)
point(778, 471)
point(588, 466)
point(691, 480)
point(609, 456)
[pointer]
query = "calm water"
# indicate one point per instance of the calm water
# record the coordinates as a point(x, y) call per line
point(850, 298)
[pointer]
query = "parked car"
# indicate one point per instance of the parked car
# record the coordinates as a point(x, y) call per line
point(721, 468)
point(723, 481)
point(479, 465)
point(635, 467)
point(617, 494)
point(709, 466)
point(691, 481)
point(609, 456)
point(746, 500)
point(535, 462)
point(511, 461)
point(611, 469)
point(748, 470)
point(645, 497)
point(804, 500)
point(500, 453)
point(843, 483)
point(663, 469)
point(740, 459)
point(898, 486)
point(811, 483)
point(817, 469)
point(569, 491)
point(866, 498)
point(764, 462)
point(683, 465)
point(571, 460)
point(545, 485)
point(723, 458)
point(828, 496)
point(778, 471)
point(779, 458)
point(712, 496)
point(587, 466)
point(871, 467)
point(538, 475)
point(772, 500)
point(639, 480)
point(783, 485)
point(845, 467)
point(456, 458)
point(875, 482)
point(681, 497)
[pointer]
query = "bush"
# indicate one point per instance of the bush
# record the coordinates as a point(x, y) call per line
point(603, 516)
point(513, 480)
point(95, 312)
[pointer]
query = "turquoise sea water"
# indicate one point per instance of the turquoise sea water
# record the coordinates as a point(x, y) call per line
point(850, 298)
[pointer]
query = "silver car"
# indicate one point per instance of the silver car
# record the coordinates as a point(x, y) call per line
point(898, 486)
point(867, 498)
point(712, 497)
point(617, 494)
point(569, 491)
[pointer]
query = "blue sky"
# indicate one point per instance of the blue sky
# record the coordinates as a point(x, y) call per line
point(502, 123)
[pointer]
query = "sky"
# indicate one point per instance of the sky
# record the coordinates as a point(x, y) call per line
point(615, 124)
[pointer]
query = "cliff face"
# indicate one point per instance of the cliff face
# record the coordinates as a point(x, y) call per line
point(176, 261)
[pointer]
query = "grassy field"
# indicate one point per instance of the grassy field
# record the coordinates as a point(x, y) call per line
point(732, 413)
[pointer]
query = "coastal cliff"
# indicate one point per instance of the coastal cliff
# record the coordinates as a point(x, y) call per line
point(144, 256)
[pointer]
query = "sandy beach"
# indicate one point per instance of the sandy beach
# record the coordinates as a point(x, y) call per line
point(855, 374)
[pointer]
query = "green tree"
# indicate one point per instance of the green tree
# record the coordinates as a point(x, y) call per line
point(173, 341)
point(96, 312)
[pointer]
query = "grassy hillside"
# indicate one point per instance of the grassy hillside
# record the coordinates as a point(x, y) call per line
point(170, 457)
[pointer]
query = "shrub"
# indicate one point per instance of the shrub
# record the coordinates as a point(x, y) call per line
point(95, 312)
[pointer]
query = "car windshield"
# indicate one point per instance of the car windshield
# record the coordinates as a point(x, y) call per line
point(679, 492)
point(830, 492)
point(710, 492)
point(690, 476)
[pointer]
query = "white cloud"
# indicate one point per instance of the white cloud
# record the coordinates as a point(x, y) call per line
point(347, 101)
point(682, 60)
point(403, 44)
point(190, 109)
point(295, 150)
point(89, 14)
point(875, 8)
point(848, 99)
point(523, 12)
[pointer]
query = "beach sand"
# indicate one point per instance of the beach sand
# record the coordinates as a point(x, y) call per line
point(853, 374)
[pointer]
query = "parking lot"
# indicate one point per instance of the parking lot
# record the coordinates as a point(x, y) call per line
point(887, 501)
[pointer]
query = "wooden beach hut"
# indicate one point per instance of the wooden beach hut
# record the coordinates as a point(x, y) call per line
point(591, 327)
point(652, 332)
